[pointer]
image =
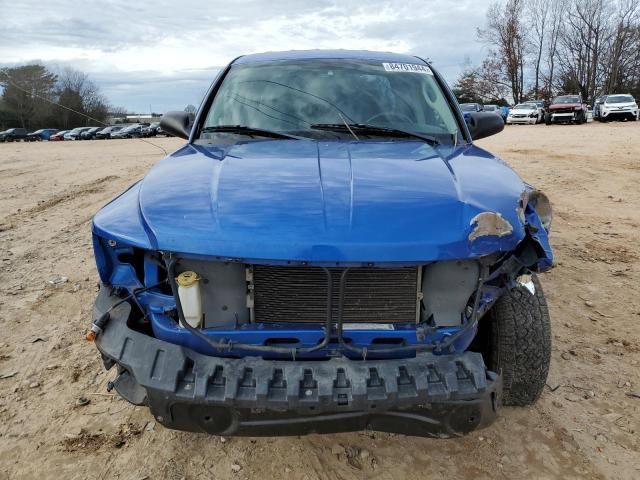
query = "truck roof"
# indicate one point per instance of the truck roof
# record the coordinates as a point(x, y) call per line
point(328, 54)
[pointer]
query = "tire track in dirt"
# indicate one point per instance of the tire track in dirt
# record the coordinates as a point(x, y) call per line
point(63, 197)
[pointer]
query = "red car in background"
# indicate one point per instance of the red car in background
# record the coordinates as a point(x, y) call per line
point(567, 109)
point(58, 137)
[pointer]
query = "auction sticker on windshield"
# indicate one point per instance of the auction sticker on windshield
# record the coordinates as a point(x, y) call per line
point(407, 67)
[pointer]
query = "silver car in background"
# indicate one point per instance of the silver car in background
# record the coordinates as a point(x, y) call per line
point(525, 113)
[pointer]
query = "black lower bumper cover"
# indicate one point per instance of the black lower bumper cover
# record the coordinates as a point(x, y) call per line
point(429, 395)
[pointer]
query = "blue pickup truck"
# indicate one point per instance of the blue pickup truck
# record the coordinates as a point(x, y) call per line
point(329, 251)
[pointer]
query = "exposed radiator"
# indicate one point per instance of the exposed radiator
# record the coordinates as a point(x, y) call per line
point(299, 294)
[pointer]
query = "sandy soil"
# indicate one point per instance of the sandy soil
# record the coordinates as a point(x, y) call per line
point(585, 425)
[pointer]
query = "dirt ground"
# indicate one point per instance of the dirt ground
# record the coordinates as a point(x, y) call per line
point(586, 425)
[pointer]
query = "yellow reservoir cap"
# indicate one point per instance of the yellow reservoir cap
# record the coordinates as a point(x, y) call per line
point(187, 279)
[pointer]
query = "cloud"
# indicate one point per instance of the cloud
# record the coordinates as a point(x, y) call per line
point(166, 53)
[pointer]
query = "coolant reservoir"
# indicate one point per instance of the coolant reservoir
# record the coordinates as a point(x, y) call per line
point(190, 297)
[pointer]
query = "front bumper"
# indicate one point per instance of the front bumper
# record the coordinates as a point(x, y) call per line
point(564, 117)
point(523, 120)
point(620, 114)
point(428, 395)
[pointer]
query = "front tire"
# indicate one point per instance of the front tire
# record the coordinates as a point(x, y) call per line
point(519, 343)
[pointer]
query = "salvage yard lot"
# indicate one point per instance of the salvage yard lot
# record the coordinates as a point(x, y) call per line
point(586, 425)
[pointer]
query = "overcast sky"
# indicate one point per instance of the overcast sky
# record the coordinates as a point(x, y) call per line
point(162, 55)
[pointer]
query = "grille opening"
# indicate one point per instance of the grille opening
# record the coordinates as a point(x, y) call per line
point(299, 294)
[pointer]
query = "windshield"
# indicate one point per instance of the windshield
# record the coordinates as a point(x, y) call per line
point(490, 108)
point(289, 97)
point(567, 99)
point(524, 106)
point(619, 99)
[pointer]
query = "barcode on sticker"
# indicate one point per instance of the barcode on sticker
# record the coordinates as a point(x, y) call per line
point(407, 67)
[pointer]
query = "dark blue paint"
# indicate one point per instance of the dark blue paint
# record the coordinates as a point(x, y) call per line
point(319, 202)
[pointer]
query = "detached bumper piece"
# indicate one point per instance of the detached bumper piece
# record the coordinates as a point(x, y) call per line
point(428, 395)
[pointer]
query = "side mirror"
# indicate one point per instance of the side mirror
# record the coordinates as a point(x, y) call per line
point(177, 123)
point(484, 124)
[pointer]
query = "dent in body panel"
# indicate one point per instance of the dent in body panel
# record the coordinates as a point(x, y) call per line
point(489, 224)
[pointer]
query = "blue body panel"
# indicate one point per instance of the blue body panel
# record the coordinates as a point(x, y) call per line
point(342, 202)
point(320, 202)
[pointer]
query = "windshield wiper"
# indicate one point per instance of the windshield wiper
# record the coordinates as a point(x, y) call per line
point(245, 130)
point(365, 128)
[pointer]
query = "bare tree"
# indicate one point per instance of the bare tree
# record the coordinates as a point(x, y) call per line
point(555, 29)
point(583, 40)
point(506, 34)
point(538, 19)
point(622, 51)
point(82, 100)
point(578, 46)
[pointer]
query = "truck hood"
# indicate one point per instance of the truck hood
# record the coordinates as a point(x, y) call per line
point(322, 202)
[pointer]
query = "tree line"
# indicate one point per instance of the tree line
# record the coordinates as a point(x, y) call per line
point(540, 48)
point(35, 97)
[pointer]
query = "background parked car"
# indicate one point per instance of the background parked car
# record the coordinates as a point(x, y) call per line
point(90, 134)
point(494, 109)
point(132, 131)
point(471, 107)
point(597, 106)
point(106, 132)
point(568, 109)
point(75, 133)
point(541, 109)
point(13, 135)
point(151, 130)
point(526, 113)
point(468, 109)
point(39, 135)
point(59, 136)
point(620, 107)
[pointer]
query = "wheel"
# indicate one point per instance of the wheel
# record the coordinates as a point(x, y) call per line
point(547, 120)
point(518, 343)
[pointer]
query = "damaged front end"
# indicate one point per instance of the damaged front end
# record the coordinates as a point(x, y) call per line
point(294, 347)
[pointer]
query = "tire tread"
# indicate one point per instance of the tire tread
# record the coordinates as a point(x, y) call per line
point(520, 344)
